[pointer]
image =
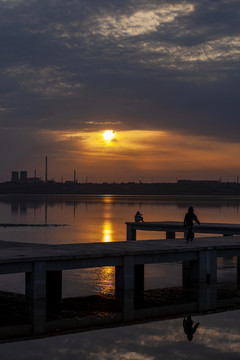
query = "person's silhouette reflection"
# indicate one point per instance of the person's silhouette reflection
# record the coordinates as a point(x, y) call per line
point(189, 329)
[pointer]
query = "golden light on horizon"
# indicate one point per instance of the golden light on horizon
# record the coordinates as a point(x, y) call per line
point(130, 155)
point(108, 135)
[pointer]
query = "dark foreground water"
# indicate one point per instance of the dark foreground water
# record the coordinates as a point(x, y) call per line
point(217, 337)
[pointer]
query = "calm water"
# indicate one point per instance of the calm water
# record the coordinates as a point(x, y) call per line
point(102, 219)
point(217, 337)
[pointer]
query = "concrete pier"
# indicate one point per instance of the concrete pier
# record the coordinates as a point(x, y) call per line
point(43, 266)
point(171, 227)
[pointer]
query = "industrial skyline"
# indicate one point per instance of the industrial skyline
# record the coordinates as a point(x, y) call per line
point(22, 176)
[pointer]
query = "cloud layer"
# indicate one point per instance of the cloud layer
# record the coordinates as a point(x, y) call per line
point(139, 65)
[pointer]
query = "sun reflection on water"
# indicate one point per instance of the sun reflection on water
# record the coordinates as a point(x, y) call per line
point(105, 279)
point(107, 199)
point(107, 225)
point(107, 231)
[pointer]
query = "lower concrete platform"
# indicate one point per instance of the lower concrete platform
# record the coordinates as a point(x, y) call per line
point(43, 265)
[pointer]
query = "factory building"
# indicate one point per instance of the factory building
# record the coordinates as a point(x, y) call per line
point(15, 176)
point(23, 176)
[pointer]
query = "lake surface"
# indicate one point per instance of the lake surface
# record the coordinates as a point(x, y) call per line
point(102, 219)
point(217, 337)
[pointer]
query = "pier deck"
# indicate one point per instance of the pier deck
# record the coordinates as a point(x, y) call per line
point(171, 227)
point(18, 253)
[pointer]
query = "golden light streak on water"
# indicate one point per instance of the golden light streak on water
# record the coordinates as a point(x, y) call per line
point(105, 279)
point(107, 231)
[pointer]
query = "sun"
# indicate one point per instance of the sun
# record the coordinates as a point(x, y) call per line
point(108, 135)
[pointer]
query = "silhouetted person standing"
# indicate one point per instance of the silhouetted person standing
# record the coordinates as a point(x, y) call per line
point(188, 224)
point(188, 327)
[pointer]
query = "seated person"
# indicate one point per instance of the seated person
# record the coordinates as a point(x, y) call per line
point(138, 217)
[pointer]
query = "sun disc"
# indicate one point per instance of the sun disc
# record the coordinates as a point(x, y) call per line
point(108, 135)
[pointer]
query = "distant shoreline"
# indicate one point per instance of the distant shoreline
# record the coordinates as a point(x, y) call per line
point(130, 188)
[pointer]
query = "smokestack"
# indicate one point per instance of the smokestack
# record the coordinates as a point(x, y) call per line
point(46, 169)
point(74, 176)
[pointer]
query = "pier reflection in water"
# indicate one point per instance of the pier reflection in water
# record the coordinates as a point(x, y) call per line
point(218, 336)
point(18, 316)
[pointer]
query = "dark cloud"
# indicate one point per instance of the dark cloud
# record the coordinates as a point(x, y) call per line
point(140, 64)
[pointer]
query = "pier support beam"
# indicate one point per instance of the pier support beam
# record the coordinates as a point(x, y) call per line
point(202, 270)
point(124, 286)
point(131, 233)
point(36, 295)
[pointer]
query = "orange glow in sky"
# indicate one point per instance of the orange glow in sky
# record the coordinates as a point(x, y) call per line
point(137, 154)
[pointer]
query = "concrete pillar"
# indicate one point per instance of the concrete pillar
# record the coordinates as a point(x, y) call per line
point(125, 274)
point(202, 270)
point(170, 235)
point(36, 281)
point(35, 289)
point(207, 297)
point(38, 310)
point(131, 233)
point(238, 270)
point(124, 286)
point(207, 269)
point(125, 300)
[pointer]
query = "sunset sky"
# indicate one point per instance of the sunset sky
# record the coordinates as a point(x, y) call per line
point(162, 75)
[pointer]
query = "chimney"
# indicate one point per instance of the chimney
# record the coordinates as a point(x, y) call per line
point(46, 169)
